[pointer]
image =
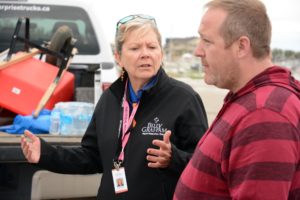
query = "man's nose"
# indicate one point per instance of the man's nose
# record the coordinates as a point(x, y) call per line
point(199, 51)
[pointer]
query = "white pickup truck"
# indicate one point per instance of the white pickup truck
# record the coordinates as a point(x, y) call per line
point(94, 70)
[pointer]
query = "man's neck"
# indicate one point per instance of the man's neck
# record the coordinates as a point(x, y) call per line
point(250, 70)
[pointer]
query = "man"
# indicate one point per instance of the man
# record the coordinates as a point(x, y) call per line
point(252, 149)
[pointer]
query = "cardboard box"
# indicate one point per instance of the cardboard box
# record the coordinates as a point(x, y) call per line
point(23, 84)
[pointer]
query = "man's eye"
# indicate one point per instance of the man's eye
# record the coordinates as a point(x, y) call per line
point(205, 40)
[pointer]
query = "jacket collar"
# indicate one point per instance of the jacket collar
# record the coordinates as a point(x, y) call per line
point(117, 88)
point(133, 97)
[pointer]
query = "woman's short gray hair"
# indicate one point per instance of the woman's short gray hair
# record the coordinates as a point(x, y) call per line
point(135, 24)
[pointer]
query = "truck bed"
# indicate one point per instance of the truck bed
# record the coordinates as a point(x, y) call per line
point(10, 149)
point(21, 180)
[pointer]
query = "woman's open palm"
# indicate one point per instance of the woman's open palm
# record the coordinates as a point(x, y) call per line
point(31, 147)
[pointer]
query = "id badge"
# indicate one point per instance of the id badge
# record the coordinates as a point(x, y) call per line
point(119, 179)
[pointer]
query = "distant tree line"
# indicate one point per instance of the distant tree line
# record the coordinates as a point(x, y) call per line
point(279, 55)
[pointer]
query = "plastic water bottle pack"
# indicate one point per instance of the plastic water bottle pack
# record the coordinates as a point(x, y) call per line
point(71, 118)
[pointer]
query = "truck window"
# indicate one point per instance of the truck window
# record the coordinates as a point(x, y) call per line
point(44, 21)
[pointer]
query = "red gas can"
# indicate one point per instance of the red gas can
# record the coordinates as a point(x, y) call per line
point(23, 84)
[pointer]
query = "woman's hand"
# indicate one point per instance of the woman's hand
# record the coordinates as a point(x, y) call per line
point(31, 147)
point(160, 158)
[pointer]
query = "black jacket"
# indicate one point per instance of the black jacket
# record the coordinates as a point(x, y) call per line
point(168, 105)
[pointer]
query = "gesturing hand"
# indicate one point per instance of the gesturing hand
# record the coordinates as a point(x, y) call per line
point(160, 158)
point(31, 147)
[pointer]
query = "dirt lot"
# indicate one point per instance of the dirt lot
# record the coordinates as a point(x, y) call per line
point(212, 96)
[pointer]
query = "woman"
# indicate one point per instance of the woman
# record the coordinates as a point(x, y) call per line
point(127, 140)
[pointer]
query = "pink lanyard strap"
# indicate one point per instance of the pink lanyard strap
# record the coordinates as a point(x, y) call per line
point(127, 122)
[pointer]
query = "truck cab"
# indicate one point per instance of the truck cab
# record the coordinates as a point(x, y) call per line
point(93, 65)
point(94, 70)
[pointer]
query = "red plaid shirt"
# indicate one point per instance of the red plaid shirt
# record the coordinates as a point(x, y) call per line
point(252, 149)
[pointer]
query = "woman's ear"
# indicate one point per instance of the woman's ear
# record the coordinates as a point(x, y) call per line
point(117, 58)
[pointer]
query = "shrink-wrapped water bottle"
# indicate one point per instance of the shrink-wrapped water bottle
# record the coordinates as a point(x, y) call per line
point(54, 122)
point(74, 117)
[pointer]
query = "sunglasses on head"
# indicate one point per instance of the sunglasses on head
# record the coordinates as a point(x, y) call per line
point(132, 17)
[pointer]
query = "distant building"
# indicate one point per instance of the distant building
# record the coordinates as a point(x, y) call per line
point(175, 48)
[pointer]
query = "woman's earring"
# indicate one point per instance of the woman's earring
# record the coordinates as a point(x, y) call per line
point(122, 74)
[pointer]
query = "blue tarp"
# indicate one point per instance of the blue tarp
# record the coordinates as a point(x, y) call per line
point(21, 123)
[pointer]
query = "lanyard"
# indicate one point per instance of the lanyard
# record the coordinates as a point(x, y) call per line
point(125, 126)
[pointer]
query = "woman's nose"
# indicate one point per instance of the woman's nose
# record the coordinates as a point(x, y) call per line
point(145, 53)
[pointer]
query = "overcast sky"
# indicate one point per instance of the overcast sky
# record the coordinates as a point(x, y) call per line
point(182, 18)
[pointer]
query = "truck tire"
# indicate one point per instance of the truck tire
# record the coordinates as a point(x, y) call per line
point(59, 42)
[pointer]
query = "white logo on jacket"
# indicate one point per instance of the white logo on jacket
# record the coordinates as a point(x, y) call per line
point(154, 128)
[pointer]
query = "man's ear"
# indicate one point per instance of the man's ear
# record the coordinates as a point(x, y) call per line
point(244, 46)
